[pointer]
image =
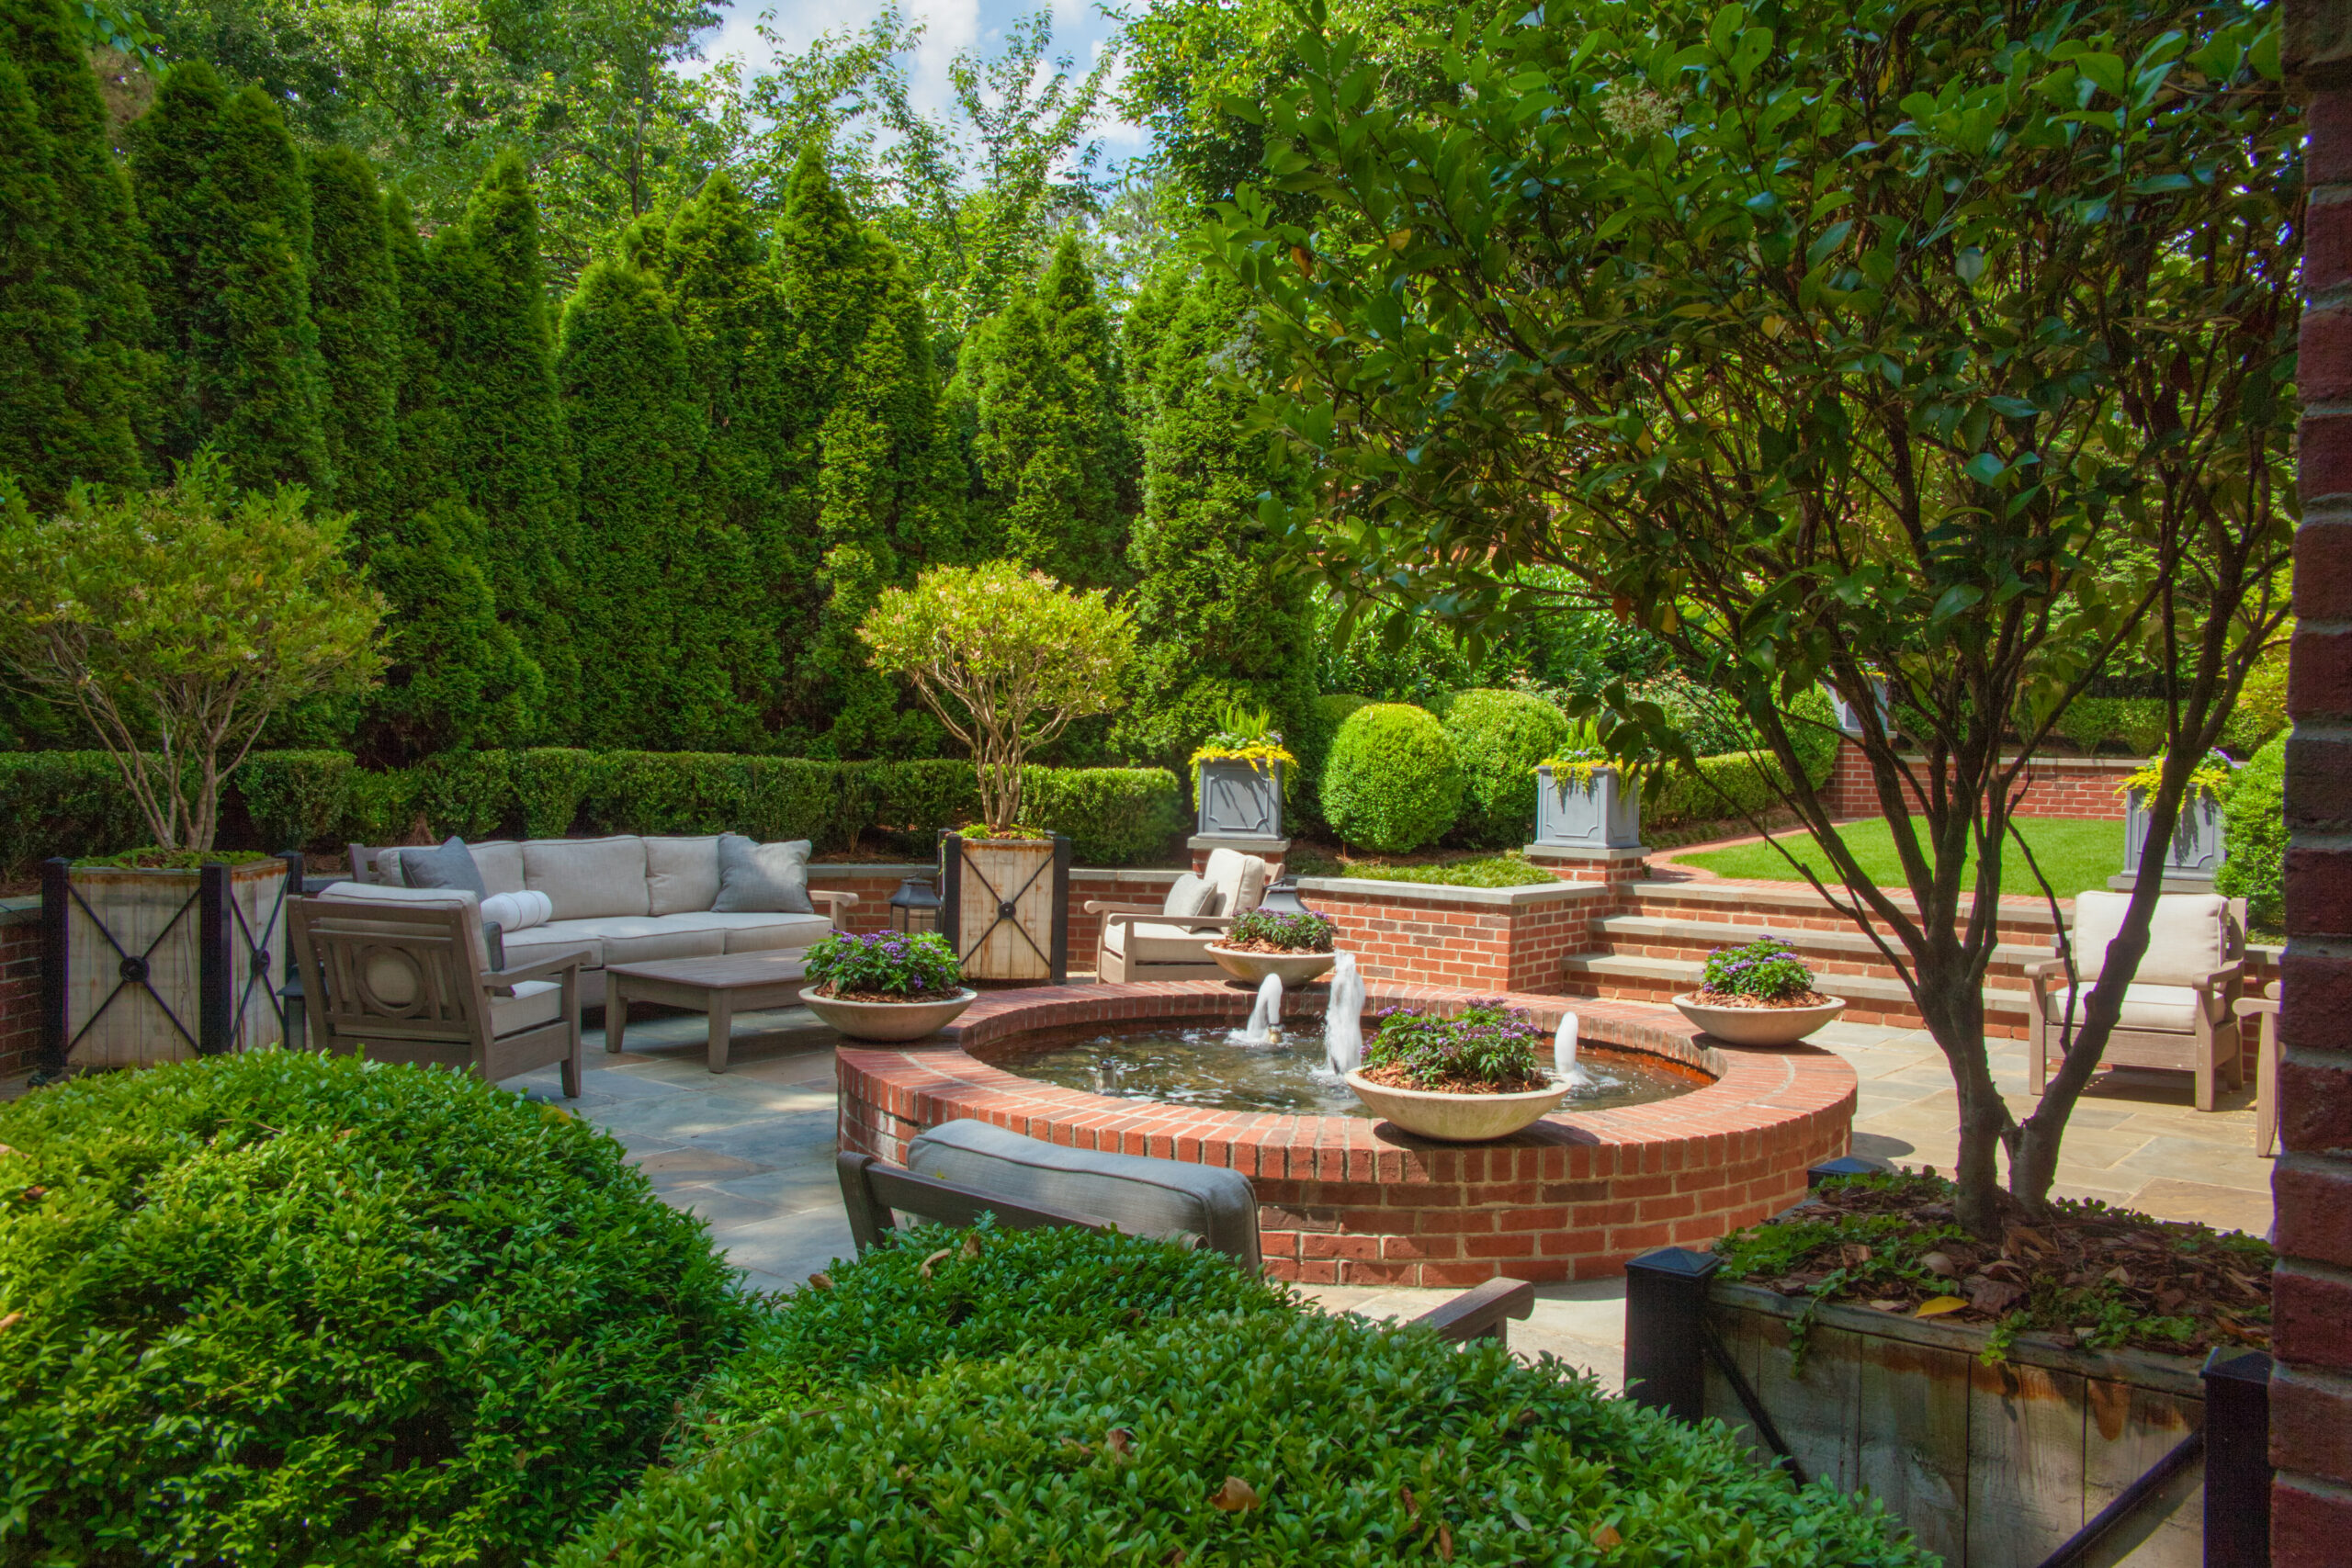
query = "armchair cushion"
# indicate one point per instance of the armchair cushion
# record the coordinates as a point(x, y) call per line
point(1190, 895)
point(517, 911)
point(588, 879)
point(756, 878)
point(2170, 1009)
point(1154, 941)
point(680, 875)
point(1239, 881)
point(450, 865)
point(2188, 936)
point(429, 897)
point(535, 1002)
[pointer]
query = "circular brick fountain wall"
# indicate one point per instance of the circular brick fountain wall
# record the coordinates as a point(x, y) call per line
point(1349, 1200)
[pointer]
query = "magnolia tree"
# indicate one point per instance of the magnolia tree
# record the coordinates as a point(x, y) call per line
point(176, 622)
point(1006, 659)
point(1941, 350)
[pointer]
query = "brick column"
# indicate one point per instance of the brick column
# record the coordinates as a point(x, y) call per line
point(2310, 1421)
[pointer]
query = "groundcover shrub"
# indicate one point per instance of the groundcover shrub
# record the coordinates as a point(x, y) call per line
point(289, 1308)
point(1391, 782)
point(1234, 1439)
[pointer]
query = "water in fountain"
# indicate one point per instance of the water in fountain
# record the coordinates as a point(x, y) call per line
point(1564, 1066)
point(1343, 1017)
point(1266, 1014)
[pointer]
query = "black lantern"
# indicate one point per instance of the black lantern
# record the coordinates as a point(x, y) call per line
point(915, 906)
point(1282, 898)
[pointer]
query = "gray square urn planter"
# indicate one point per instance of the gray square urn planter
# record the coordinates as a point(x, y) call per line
point(2199, 846)
point(1240, 800)
point(1604, 814)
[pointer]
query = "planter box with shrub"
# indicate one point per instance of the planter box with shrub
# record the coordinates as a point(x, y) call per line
point(1601, 812)
point(1240, 800)
point(1004, 906)
point(2198, 844)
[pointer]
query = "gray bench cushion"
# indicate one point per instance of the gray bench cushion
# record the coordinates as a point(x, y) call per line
point(1142, 1197)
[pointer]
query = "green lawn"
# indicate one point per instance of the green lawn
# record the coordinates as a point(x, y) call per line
point(2074, 855)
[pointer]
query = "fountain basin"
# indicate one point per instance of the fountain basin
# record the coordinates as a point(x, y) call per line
point(1350, 1200)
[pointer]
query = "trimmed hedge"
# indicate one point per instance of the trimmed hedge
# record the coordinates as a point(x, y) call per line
point(1499, 738)
point(2253, 824)
point(1233, 1439)
point(1391, 782)
point(287, 1307)
point(73, 802)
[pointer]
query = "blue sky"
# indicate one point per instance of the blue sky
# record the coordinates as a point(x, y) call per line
point(1079, 30)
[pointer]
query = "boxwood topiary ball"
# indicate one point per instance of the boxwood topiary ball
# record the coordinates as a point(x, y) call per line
point(1392, 782)
point(1500, 737)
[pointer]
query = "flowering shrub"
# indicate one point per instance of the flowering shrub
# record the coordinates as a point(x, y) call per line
point(886, 963)
point(2210, 778)
point(1487, 1048)
point(1287, 933)
point(1767, 969)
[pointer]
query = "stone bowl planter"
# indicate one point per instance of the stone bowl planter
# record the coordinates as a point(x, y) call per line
point(1295, 968)
point(1458, 1118)
point(889, 1022)
point(1759, 1026)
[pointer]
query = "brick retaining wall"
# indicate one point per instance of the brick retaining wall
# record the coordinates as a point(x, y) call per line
point(2081, 788)
point(1502, 939)
point(1351, 1201)
point(19, 984)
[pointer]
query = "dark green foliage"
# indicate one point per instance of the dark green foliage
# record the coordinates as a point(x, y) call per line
point(914, 799)
point(295, 800)
point(65, 803)
point(381, 808)
point(456, 676)
point(550, 782)
point(646, 559)
point(227, 216)
point(356, 307)
point(488, 432)
point(1500, 737)
point(285, 1307)
point(1290, 933)
point(684, 793)
point(1353, 1443)
point(1391, 782)
point(73, 318)
point(1113, 815)
point(2255, 824)
point(1737, 782)
point(1222, 617)
point(1486, 1048)
point(1812, 724)
point(2136, 723)
point(471, 794)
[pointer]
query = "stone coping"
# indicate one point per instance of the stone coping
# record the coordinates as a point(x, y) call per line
point(1553, 892)
point(20, 911)
point(904, 869)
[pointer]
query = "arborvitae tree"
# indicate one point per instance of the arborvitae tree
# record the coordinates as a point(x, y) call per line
point(229, 220)
point(1028, 504)
point(724, 299)
point(1222, 617)
point(73, 318)
point(645, 570)
point(887, 505)
point(830, 274)
point(495, 431)
point(354, 303)
point(1078, 330)
point(456, 676)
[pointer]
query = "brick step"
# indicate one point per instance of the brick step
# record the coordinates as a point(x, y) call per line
point(2025, 922)
point(1846, 952)
point(1870, 999)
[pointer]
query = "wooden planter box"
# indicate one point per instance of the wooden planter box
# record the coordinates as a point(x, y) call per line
point(1004, 906)
point(1990, 1466)
point(2198, 845)
point(153, 971)
point(1240, 800)
point(1601, 815)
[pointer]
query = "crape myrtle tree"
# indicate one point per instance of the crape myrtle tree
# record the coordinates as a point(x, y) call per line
point(1945, 345)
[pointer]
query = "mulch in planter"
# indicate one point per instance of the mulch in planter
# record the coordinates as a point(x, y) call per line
point(2091, 1277)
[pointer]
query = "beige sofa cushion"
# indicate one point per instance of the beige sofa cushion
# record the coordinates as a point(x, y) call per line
point(1151, 942)
point(534, 1002)
point(680, 875)
point(499, 861)
point(2144, 1007)
point(524, 948)
point(2187, 937)
point(588, 879)
point(640, 939)
point(757, 933)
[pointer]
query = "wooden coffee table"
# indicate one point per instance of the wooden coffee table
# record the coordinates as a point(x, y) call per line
point(715, 985)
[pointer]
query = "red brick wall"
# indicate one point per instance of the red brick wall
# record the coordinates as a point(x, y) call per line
point(2311, 1390)
point(20, 990)
point(1441, 936)
point(2078, 787)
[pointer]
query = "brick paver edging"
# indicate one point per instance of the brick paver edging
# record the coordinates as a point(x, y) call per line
point(1348, 1200)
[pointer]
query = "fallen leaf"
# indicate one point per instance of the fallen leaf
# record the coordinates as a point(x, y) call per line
point(1606, 1537)
point(972, 1245)
point(11, 1321)
point(1087, 1448)
point(925, 1271)
point(1939, 1263)
point(1445, 1543)
point(1993, 1296)
point(1120, 1441)
point(1412, 1508)
point(2118, 1275)
point(1888, 1306)
point(820, 1281)
point(1936, 1306)
point(1854, 1255)
point(5, 1151)
point(33, 1192)
point(1236, 1496)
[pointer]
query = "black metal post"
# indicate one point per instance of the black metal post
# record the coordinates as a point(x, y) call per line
point(56, 960)
point(1844, 1165)
point(951, 888)
point(289, 993)
point(215, 974)
point(2238, 1460)
point(1061, 909)
point(1665, 1306)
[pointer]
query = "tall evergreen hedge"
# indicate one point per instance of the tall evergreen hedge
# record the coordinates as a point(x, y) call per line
point(356, 307)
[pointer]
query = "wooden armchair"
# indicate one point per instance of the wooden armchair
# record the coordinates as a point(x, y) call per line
point(410, 979)
point(2265, 1067)
point(2179, 1012)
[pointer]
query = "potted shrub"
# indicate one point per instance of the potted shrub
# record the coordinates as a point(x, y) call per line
point(1584, 801)
point(1760, 994)
point(2200, 841)
point(1260, 942)
point(177, 623)
point(886, 986)
point(1474, 1076)
point(1238, 776)
point(1007, 660)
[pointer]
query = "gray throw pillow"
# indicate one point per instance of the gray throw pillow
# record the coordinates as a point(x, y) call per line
point(764, 879)
point(1190, 895)
point(451, 865)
